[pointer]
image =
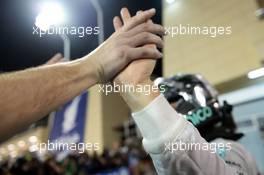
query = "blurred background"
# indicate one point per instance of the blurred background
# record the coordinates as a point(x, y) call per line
point(226, 61)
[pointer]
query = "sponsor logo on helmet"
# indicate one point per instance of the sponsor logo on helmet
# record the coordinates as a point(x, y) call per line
point(200, 115)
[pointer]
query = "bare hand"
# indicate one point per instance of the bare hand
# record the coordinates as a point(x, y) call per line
point(126, 45)
point(138, 71)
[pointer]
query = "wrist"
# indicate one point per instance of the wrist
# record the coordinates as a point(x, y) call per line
point(88, 65)
point(125, 78)
point(137, 100)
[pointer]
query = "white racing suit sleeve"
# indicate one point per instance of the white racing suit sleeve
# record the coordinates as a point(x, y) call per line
point(164, 130)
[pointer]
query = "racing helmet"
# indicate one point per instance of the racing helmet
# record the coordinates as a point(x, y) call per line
point(197, 100)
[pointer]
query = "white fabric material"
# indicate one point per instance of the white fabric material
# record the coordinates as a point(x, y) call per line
point(154, 120)
point(161, 127)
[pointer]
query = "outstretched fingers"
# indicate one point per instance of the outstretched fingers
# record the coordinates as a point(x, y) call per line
point(139, 19)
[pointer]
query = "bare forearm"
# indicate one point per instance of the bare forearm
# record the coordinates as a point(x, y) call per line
point(26, 96)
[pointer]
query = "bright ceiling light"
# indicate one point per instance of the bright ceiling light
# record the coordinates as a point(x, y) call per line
point(170, 1)
point(51, 13)
point(256, 73)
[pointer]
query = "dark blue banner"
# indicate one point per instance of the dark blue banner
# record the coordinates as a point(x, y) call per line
point(69, 122)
